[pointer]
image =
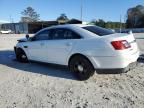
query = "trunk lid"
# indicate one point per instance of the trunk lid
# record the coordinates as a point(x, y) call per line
point(129, 38)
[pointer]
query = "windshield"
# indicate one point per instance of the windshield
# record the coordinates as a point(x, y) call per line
point(98, 30)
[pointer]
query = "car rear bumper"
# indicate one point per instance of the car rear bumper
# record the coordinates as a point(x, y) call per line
point(118, 70)
point(117, 62)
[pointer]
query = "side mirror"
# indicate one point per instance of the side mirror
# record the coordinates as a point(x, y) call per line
point(27, 36)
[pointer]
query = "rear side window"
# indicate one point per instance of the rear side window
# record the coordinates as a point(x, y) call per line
point(98, 30)
point(68, 34)
point(62, 33)
point(57, 34)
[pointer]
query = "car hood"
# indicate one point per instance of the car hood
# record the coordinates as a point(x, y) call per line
point(22, 40)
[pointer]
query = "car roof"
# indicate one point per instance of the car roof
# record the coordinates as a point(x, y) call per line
point(76, 27)
point(71, 25)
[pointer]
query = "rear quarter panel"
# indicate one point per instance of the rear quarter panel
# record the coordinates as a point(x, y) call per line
point(93, 47)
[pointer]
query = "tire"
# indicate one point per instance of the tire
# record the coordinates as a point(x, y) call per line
point(21, 56)
point(81, 67)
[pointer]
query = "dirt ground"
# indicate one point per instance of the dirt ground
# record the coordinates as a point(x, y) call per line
point(36, 85)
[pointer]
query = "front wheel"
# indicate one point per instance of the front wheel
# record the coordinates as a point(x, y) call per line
point(81, 67)
point(21, 56)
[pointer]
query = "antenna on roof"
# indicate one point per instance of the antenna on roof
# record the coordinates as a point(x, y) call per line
point(81, 10)
point(11, 19)
point(120, 24)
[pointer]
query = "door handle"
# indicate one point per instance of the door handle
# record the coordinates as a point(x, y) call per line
point(25, 46)
point(42, 44)
point(69, 44)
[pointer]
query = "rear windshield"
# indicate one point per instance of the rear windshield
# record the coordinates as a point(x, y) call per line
point(98, 30)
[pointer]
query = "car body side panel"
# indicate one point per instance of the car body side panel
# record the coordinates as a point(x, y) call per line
point(97, 49)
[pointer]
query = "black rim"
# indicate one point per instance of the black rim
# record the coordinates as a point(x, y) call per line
point(77, 70)
point(22, 56)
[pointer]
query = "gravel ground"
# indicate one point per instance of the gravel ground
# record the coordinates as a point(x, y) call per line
point(36, 85)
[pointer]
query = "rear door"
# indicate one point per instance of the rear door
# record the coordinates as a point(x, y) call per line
point(63, 40)
point(129, 38)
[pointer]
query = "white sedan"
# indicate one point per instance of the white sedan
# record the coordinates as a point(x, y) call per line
point(5, 31)
point(83, 48)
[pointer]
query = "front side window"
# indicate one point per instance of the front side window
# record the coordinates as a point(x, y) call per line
point(98, 30)
point(43, 35)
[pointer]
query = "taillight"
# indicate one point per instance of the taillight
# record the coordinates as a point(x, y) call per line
point(120, 45)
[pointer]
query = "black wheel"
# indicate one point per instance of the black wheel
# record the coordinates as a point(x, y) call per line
point(21, 56)
point(81, 67)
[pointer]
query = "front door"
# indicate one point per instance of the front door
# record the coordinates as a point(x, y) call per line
point(37, 46)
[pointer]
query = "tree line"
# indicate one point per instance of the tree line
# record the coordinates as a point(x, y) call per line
point(30, 15)
point(135, 18)
point(108, 24)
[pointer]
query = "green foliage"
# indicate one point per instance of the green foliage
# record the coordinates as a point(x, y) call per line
point(109, 24)
point(100, 23)
point(63, 17)
point(29, 15)
point(142, 22)
point(135, 17)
